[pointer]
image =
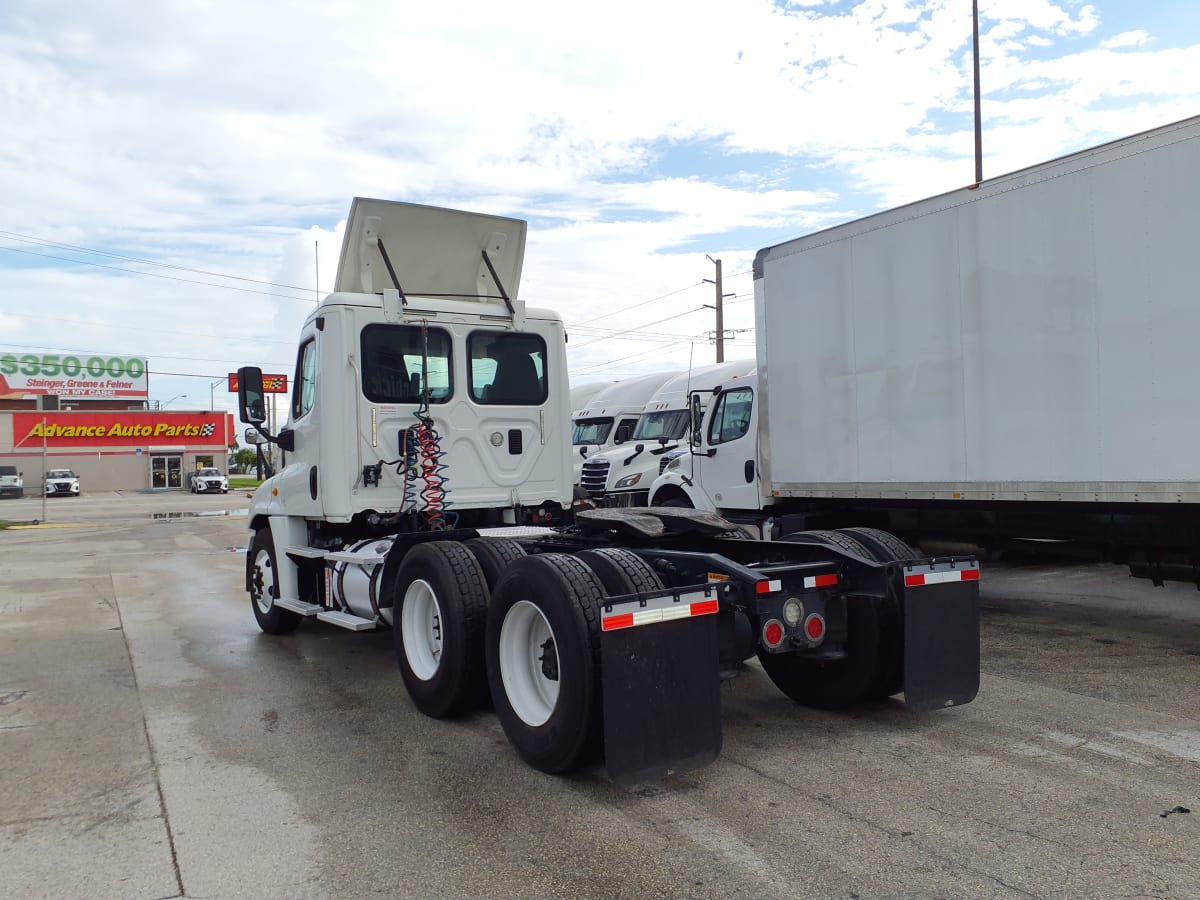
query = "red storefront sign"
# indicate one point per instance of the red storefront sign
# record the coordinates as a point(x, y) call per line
point(272, 384)
point(121, 429)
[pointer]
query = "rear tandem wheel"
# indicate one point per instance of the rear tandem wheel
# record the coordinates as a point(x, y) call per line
point(543, 660)
point(857, 677)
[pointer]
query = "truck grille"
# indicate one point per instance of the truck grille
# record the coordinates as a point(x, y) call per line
point(594, 477)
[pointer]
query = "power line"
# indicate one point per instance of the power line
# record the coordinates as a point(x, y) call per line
point(636, 305)
point(667, 319)
point(226, 287)
point(191, 334)
point(27, 239)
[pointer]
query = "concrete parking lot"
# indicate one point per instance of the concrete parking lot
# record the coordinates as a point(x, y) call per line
point(155, 745)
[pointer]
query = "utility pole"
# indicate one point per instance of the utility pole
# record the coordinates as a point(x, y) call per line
point(719, 307)
point(978, 116)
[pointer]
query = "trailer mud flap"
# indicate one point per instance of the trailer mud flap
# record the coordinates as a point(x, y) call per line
point(941, 635)
point(661, 684)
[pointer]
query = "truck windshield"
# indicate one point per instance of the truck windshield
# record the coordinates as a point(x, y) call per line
point(591, 431)
point(671, 424)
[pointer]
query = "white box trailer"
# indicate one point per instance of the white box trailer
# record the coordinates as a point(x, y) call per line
point(1013, 357)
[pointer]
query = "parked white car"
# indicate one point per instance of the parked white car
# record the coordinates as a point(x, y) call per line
point(62, 483)
point(209, 481)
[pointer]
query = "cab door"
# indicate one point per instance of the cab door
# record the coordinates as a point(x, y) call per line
point(729, 467)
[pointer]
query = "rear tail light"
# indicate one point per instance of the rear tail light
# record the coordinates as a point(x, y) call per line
point(772, 634)
point(814, 627)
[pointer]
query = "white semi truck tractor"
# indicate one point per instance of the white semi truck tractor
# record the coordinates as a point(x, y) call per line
point(426, 488)
point(1006, 365)
point(621, 476)
point(611, 416)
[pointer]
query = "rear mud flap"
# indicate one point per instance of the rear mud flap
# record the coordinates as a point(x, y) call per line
point(662, 699)
point(941, 637)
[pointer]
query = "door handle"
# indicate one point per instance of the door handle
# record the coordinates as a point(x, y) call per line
point(749, 470)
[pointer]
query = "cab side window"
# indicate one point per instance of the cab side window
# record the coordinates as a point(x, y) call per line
point(304, 387)
point(731, 418)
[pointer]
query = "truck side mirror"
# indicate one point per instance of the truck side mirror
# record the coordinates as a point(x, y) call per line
point(697, 419)
point(251, 403)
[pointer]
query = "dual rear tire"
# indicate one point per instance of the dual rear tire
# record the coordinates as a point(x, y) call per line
point(482, 615)
point(873, 667)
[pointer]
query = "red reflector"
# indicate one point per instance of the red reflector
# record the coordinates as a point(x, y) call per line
point(704, 607)
point(773, 634)
point(826, 580)
point(612, 623)
point(814, 627)
point(768, 587)
point(914, 580)
point(970, 575)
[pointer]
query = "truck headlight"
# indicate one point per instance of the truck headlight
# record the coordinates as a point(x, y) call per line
point(628, 481)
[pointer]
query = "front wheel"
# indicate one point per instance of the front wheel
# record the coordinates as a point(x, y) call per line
point(543, 660)
point(438, 622)
point(264, 587)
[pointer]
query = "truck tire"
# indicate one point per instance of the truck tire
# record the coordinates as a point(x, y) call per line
point(620, 572)
point(494, 556)
point(543, 660)
point(838, 683)
point(264, 587)
point(677, 502)
point(438, 623)
point(887, 548)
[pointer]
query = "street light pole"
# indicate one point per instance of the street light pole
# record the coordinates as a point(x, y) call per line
point(212, 402)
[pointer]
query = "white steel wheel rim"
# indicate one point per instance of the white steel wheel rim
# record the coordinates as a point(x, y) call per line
point(266, 577)
point(531, 694)
point(421, 629)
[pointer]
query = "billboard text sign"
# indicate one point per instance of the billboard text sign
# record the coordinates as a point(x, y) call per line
point(120, 429)
point(272, 384)
point(25, 375)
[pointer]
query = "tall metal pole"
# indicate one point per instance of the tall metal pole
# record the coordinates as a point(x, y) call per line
point(978, 116)
point(43, 468)
point(317, 266)
point(720, 316)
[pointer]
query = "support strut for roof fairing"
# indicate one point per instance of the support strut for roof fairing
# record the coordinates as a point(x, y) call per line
point(496, 278)
point(387, 262)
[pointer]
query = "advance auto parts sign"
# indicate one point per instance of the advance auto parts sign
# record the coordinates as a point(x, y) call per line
point(34, 374)
point(121, 429)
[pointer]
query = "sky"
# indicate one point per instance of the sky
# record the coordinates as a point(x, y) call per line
point(174, 177)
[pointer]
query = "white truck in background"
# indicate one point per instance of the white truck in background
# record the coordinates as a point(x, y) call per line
point(12, 482)
point(610, 417)
point(999, 364)
point(621, 476)
point(426, 488)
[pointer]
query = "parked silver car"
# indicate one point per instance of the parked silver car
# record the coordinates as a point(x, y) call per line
point(62, 483)
point(209, 481)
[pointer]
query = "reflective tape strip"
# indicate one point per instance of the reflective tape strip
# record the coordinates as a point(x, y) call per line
point(941, 577)
point(768, 587)
point(816, 581)
point(679, 610)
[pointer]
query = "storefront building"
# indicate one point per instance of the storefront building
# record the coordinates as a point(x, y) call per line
point(116, 450)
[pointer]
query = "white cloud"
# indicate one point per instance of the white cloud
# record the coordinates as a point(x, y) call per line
point(230, 137)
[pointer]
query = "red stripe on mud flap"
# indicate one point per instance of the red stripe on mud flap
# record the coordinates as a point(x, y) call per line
point(941, 577)
point(612, 623)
